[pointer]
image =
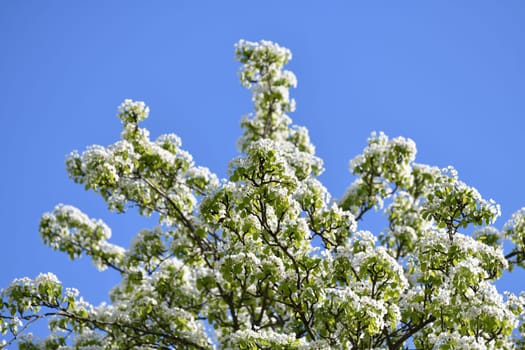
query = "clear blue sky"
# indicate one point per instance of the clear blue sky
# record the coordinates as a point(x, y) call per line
point(448, 74)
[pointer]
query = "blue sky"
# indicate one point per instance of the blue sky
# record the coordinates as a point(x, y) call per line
point(448, 74)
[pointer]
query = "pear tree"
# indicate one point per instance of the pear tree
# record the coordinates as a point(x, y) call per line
point(267, 258)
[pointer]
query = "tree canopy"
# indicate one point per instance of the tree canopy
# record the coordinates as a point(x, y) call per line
point(267, 259)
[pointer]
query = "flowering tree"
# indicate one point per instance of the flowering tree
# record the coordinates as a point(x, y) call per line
point(267, 259)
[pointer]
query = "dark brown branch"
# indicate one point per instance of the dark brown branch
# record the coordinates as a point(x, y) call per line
point(179, 212)
point(411, 331)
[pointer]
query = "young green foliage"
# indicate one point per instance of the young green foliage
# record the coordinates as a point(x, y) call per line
point(267, 258)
